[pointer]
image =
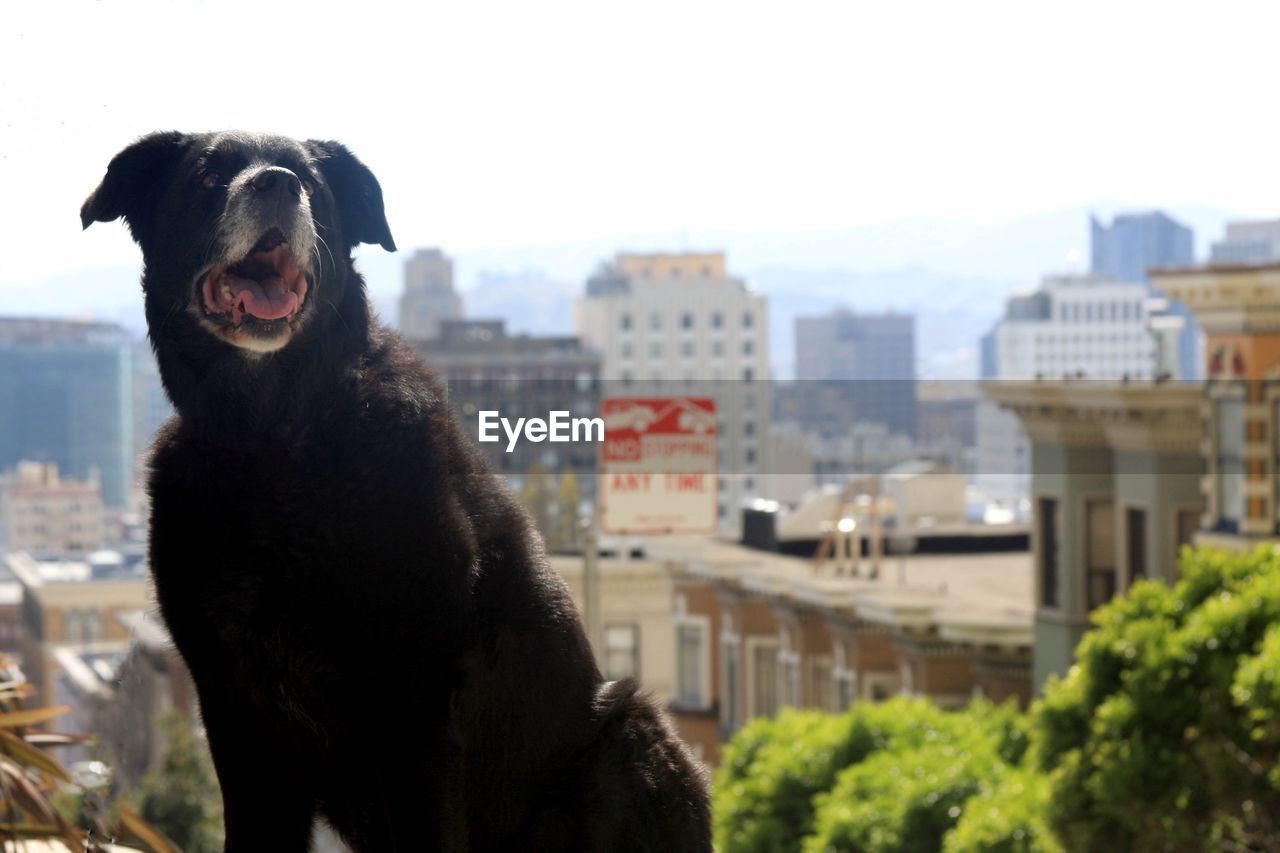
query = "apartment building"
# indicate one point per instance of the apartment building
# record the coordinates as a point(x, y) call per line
point(76, 603)
point(680, 324)
point(1078, 326)
point(756, 631)
point(42, 512)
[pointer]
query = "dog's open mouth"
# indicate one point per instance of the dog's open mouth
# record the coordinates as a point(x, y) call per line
point(265, 287)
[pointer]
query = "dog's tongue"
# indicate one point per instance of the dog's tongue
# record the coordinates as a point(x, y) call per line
point(267, 299)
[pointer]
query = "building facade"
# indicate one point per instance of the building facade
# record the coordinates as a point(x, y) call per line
point(757, 631)
point(1116, 476)
point(485, 369)
point(680, 324)
point(1073, 326)
point(1248, 242)
point(429, 297)
point(869, 360)
point(44, 513)
point(1135, 243)
point(66, 396)
point(73, 603)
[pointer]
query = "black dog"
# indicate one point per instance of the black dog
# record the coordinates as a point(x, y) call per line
point(372, 627)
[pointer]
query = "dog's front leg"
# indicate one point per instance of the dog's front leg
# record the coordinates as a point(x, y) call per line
point(267, 794)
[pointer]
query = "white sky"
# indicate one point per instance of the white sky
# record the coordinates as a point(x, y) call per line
point(539, 122)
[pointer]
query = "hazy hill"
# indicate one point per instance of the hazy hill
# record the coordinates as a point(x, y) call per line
point(953, 276)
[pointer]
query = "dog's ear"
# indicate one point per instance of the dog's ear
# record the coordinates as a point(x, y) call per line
point(132, 185)
point(357, 193)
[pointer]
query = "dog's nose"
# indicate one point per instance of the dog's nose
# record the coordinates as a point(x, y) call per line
point(275, 178)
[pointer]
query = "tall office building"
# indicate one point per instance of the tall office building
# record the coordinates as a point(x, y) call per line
point(66, 396)
point(865, 364)
point(1248, 242)
point(1133, 244)
point(1072, 326)
point(679, 323)
point(429, 298)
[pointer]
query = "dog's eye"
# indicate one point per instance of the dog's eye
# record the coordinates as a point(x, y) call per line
point(308, 187)
point(209, 180)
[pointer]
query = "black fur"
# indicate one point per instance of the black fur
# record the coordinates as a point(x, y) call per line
point(372, 627)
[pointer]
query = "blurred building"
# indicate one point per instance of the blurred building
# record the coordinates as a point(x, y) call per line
point(42, 512)
point(485, 369)
point(867, 360)
point(1082, 327)
point(1137, 242)
point(118, 690)
point(66, 396)
point(1116, 474)
point(679, 324)
point(633, 636)
point(429, 297)
point(1248, 242)
point(151, 406)
point(73, 602)
point(1235, 304)
point(757, 631)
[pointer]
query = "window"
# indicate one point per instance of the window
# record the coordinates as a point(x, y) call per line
point(1188, 524)
point(626, 351)
point(730, 685)
point(1229, 436)
point(691, 667)
point(687, 349)
point(655, 350)
point(621, 651)
point(762, 658)
point(717, 320)
point(789, 678)
point(748, 320)
point(625, 322)
point(686, 320)
point(1100, 552)
point(717, 348)
point(822, 684)
point(846, 687)
point(748, 347)
point(655, 322)
point(1136, 536)
point(748, 374)
point(1047, 534)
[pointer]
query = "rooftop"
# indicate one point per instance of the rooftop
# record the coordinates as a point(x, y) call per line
point(984, 599)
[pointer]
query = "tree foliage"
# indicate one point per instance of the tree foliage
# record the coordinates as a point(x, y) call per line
point(883, 776)
point(180, 795)
point(1166, 733)
point(1164, 736)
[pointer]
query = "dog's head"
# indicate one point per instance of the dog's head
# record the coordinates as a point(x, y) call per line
point(243, 234)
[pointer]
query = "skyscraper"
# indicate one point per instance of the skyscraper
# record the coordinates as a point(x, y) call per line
point(1133, 244)
point(867, 361)
point(66, 396)
point(1248, 242)
point(429, 298)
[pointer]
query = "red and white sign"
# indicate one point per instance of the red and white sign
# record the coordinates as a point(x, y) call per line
point(658, 465)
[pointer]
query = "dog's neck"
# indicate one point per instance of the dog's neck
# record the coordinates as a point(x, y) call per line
point(246, 400)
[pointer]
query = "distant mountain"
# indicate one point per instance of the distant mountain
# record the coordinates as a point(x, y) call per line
point(953, 276)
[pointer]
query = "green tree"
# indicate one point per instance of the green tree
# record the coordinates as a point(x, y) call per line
point(536, 495)
point(1166, 733)
point(568, 497)
point(882, 776)
point(180, 795)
